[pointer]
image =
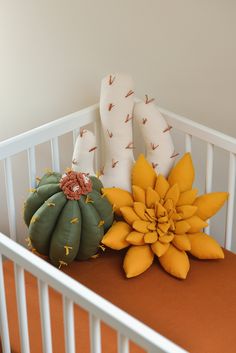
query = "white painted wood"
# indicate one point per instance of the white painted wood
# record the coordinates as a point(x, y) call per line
point(45, 317)
point(21, 307)
point(75, 135)
point(87, 299)
point(230, 206)
point(4, 332)
point(69, 328)
point(10, 198)
point(95, 334)
point(48, 131)
point(209, 175)
point(55, 154)
point(188, 143)
point(123, 344)
point(31, 167)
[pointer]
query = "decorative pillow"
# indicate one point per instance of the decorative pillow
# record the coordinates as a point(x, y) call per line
point(83, 155)
point(156, 134)
point(116, 109)
point(165, 219)
point(67, 216)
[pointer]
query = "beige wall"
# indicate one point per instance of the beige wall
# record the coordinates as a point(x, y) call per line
point(53, 54)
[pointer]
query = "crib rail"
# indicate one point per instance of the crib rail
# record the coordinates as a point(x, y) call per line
point(73, 292)
point(127, 327)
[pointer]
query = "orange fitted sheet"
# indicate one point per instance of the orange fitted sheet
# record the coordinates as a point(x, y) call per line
point(198, 313)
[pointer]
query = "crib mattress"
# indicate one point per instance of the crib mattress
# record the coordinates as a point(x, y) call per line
point(198, 313)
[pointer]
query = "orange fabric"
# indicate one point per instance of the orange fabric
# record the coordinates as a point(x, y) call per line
point(198, 313)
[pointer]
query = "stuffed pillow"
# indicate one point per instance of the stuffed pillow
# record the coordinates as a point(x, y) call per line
point(163, 217)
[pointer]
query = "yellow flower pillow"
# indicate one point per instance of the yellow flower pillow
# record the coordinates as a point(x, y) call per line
point(163, 217)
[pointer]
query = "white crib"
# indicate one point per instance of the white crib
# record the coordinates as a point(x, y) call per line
point(128, 328)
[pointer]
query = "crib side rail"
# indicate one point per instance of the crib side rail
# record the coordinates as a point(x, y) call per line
point(73, 292)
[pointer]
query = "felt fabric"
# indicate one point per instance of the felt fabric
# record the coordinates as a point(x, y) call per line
point(156, 135)
point(84, 150)
point(199, 313)
point(116, 109)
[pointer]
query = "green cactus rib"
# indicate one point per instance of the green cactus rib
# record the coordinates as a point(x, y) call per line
point(97, 184)
point(43, 222)
point(92, 232)
point(50, 178)
point(65, 239)
point(103, 208)
point(37, 198)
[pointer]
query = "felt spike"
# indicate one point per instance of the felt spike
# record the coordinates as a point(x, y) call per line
point(88, 199)
point(28, 240)
point(100, 224)
point(32, 190)
point(95, 256)
point(34, 219)
point(102, 247)
point(67, 249)
point(50, 204)
point(62, 263)
point(74, 220)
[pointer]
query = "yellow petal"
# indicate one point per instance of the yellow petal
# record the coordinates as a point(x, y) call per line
point(182, 242)
point(164, 227)
point(164, 239)
point(118, 198)
point(115, 237)
point(196, 224)
point(159, 249)
point(138, 194)
point(181, 227)
point(141, 226)
point(137, 260)
point(152, 226)
point(143, 174)
point(209, 204)
point(204, 246)
point(175, 262)
point(140, 209)
point(173, 194)
point(186, 211)
point(129, 215)
point(160, 211)
point(162, 186)
point(150, 237)
point(187, 197)
point(150, 213)
point(135, 238)
point(182, 173)
point(151, 197)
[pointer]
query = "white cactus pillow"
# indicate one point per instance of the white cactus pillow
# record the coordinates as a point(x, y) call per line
point(118, 112)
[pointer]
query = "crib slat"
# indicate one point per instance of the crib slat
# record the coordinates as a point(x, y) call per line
point(22, 309)
point(69, 327)
point(10, 197)
point(188, 143)
point(45, 317)
point(209, 175)
point(123, 344)
point(55, 154)
point(31, 166)
point(3, 314)
point(75, 135)
point(230, 206)
point(95, 334)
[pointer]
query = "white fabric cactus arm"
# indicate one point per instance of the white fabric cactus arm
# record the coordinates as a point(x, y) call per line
point(156, 135)
point(83, 155)
point(116, 108)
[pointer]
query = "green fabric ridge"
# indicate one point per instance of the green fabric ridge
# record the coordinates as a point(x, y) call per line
point(103, 208)
point(37, 198)
point(66, 234)
point(96, 183)
point(45, 220)
point(91, 232)
point(50, 178)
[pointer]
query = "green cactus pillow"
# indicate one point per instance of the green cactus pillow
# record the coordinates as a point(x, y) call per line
point(67, 216)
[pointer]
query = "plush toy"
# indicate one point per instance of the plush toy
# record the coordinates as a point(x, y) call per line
point(163, 217)
point(67, 216)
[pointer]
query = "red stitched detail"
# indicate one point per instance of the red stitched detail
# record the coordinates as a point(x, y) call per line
point(129, 93)
point(147, 100)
